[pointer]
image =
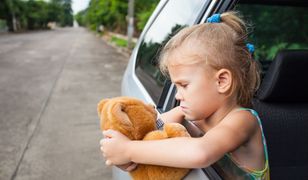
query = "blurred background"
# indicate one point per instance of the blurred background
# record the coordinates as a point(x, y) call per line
point(96, 15)
point(58, 59)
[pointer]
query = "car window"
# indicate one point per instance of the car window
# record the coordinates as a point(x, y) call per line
point(175, 15)
point(275, 28)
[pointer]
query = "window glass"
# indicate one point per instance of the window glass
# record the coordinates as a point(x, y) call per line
point(275, 28)
point(175, 15)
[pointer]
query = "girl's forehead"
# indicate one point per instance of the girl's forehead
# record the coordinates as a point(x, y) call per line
point(180, 73)
point(190, 52)
point(184, 71)
point(184, 65)
point(184, 57)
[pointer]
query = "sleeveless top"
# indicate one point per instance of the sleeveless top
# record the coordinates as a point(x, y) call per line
point(228, 168)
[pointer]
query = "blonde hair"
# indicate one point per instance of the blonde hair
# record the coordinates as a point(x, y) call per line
point(220, 45)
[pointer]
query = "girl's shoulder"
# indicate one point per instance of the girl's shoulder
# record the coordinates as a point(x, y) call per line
point(232, 132)
point(242, 120)
point(242, 115)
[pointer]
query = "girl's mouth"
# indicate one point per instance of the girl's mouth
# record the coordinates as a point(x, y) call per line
point(183, 108)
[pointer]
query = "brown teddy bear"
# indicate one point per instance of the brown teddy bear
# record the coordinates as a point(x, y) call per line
point(136, 120)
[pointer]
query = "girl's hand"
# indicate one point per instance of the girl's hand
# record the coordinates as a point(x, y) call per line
point(114, 148)
point(128, 167)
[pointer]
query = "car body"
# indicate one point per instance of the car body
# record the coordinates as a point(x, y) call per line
point(142, 78)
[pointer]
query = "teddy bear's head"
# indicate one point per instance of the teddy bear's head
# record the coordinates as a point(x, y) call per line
point(127, 115)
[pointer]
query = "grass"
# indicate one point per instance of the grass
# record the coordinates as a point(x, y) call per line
point(119, 41)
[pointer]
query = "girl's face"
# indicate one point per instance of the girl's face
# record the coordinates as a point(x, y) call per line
point(196, 89)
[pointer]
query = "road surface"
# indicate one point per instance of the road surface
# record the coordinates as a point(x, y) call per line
point(50, 84)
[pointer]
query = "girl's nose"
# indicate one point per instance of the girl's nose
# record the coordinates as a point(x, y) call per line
point(178, 96)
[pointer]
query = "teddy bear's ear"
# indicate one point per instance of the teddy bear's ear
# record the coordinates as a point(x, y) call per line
point(151, 109)
point(100, 106)
point(118, 114)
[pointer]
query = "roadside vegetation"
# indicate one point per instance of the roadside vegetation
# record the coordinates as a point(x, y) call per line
point(21, 15)
point(112, 15)
point(109, 18)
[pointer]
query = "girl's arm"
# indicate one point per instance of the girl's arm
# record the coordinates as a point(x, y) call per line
point(174, 115)
point(184, 152)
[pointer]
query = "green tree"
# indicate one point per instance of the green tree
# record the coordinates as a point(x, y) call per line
point(54, 11)
point(275, 28)
point(144, 9)
point(67, 18)
point(35, 14)
point(112, 14)
point(9, 10)
point(80, 17)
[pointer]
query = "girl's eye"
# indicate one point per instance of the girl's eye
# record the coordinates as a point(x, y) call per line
point(184, 85)
point(181, 85)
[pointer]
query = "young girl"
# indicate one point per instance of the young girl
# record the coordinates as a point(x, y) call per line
point(216, 78)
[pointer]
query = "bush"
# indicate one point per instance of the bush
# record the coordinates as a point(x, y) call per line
point(112, 14)
point(119, 41)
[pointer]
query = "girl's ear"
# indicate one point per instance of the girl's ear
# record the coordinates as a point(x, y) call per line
point(223, 80)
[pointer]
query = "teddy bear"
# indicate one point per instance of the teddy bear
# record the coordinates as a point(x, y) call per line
point(137, 120)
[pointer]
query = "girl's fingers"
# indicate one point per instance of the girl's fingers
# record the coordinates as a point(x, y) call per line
point(131, 167)
point(108, 163)
point(108, 133)
point(105, 135)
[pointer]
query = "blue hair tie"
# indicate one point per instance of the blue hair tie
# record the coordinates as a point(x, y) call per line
point(250, 47)
point(215, 18)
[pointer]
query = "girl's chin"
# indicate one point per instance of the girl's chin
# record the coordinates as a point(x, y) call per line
point(189, 116)
point(192, 117)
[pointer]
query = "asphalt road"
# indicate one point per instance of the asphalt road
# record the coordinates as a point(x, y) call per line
point(50, 84)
